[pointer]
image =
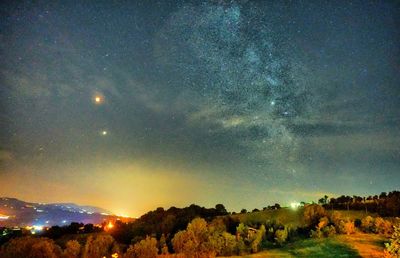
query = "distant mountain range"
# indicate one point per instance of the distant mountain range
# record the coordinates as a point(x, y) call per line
point(14, 212)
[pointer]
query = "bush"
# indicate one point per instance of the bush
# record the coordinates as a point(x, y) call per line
point(323, 222)
point(258, 237)
point(30, 247)
point(99, 245)
point(312, 214)
point(382, 226)
point(393, 247)
point(329, 231)
point(146, 248)
point(367, 224)
point(281, 236)
point(72, 249)
point(336, 217)
point(346, 227)
point(317, 233)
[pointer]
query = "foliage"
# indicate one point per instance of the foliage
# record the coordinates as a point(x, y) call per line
point(194, 241)
point(329, 231)
point(258, 237)
point(99, 245)
point(386, 204)
point(393, 247)
point(146, 248)
point(323, 222)
point(72, 249)
point(346, 227)
point(281, 236)
point(367, 224)
point(312, 214)
point(30, 247)
point(382, 226)
point(317, 233)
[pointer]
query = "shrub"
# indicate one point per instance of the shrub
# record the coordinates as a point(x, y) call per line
point(99, 245)
point(323, 222)
point(258, 237)
point(72, 250)
point(382, 226)
point(329, 231)
point(346, 227)
point(146, 248)
point(281, 236)
point(393, 247)
point(336, 217)
point(30, 247)
point(317, 233)
point(367, 224)
point(312, 214)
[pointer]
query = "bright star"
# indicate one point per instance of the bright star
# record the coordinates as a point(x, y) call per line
point(104, 133)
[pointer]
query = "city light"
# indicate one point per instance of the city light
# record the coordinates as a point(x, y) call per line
point(4, 217)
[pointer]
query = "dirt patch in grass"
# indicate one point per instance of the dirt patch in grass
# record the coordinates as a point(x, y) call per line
point(367, 245)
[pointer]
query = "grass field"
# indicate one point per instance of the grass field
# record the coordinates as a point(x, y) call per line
point(356, 245)
point(290, 217)
point(285, 216)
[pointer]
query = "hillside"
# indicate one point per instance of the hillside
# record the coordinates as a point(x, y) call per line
point(16, 212)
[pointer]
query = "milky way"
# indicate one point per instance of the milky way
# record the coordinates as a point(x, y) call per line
point(244, 102)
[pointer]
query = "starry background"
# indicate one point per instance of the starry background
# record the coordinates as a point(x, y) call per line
point(131, 106)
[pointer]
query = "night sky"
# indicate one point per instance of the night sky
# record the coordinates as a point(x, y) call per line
point(139, 104)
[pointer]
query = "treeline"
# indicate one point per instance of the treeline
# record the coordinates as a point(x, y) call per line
point(385, 204)
point(201, 238)
point(167, 222)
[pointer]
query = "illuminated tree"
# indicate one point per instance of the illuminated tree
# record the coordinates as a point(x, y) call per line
point(346, 227)
point(45, 249)
point(99, 245)
point(367, 224)
point(383, 226)
point(30, 247)
point(72, 250)
point(312, 214)
point(146, 248)
point(163, 245)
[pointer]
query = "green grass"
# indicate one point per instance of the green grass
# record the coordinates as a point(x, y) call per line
point(356, 245)
point(320, 248)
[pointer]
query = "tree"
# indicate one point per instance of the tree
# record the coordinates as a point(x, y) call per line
point(99, 245)
point(220, 208)
point(346, 227)
point(258, 237)
point(367, 224)
point(146, 248)
point(30, 247)
point(312, 213)
point(194, 241)
point(243, 211)
point(72, 250)
point(281, 236)
point(163, 245)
